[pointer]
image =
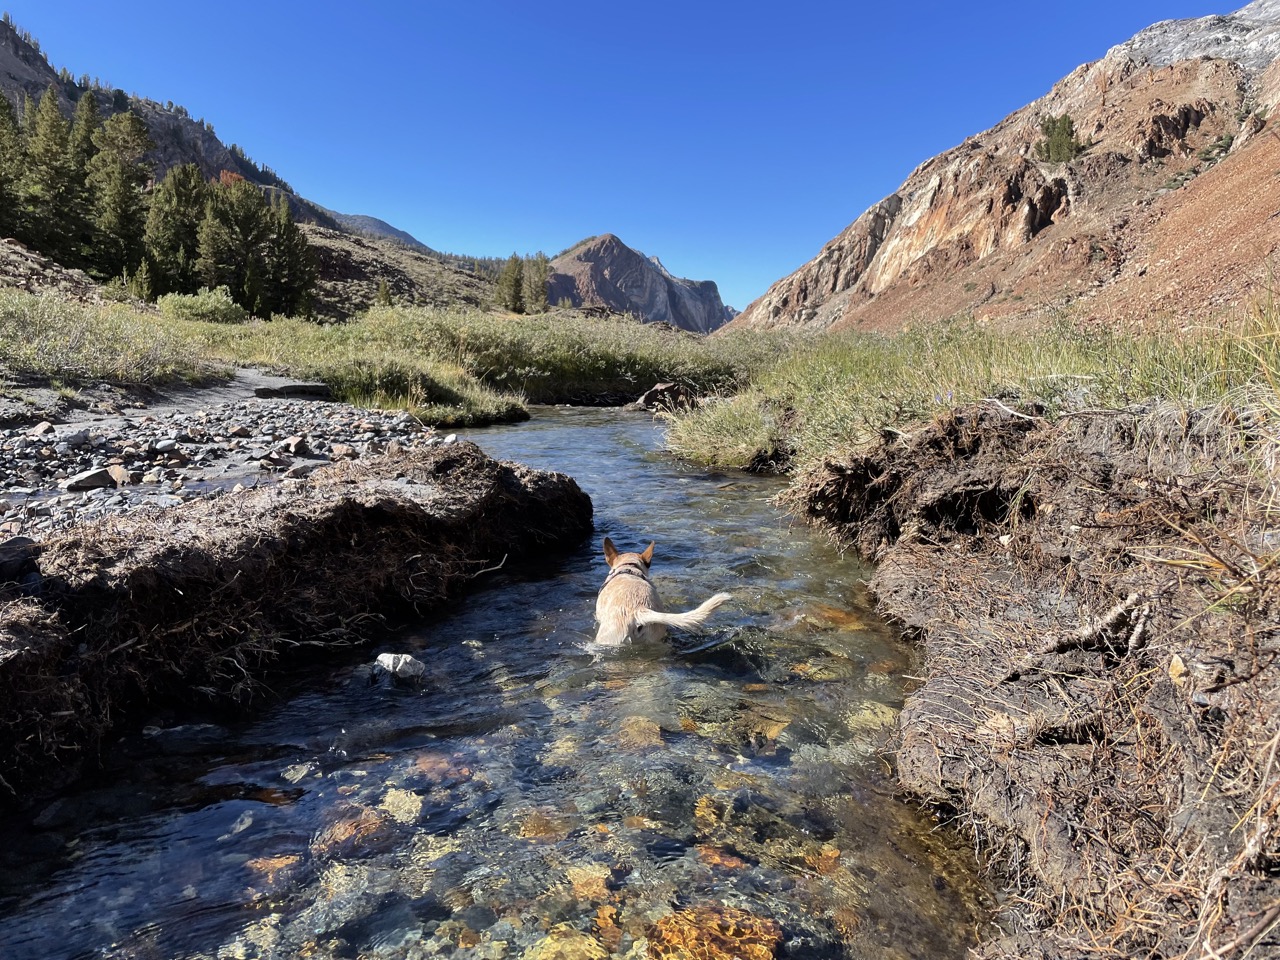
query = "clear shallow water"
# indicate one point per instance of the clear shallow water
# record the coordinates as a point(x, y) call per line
point(530, 798)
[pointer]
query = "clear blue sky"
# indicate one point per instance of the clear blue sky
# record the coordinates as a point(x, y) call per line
point(730, 139)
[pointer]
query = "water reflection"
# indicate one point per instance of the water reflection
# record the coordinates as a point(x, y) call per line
point(529, 798)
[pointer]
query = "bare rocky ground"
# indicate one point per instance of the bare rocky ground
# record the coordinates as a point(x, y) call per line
point(1099, 607)
point(69, 457)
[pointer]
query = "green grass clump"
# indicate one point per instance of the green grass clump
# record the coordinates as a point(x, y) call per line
point(210, 306)
point(450, 366)
point(842, 390)
point(362, 368)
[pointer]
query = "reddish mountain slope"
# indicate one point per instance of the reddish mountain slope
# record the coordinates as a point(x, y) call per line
point(1166, 216)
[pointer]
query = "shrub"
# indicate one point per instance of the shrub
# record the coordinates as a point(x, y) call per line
point(1060, 143)
point(209, 306)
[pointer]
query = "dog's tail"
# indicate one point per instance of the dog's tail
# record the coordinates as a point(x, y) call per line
point(684, 621)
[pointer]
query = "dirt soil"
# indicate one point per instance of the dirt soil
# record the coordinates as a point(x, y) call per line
point(1099, 608)
point(198, 604)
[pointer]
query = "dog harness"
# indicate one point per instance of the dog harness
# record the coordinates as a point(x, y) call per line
point(627, 570)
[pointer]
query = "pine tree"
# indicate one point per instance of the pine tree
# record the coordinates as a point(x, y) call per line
point(509, 292)
point(1059, 144)
point(383, 297)
point(138, 283)
point(50, 190)
point(117, 173)
point(233, 241)
point(28, 116)
point(291, 270)
point(10, 168)
point(84, 124)
point(172, 234)
point(537, 271)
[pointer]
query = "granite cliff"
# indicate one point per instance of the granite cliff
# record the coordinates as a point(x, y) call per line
point(1166, 214)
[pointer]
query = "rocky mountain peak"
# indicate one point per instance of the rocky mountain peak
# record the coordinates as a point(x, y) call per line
point(1249, 37)
point(604, 272)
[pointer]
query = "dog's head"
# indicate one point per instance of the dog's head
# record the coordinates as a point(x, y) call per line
point(616, 559)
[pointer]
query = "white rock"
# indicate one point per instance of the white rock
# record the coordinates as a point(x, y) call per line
point(400, 665)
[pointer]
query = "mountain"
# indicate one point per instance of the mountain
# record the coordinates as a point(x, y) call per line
point(604, 272)
point(1166, 214)
point(354, 253)
point(352, 266)
point(24, 71)
point(373, 227)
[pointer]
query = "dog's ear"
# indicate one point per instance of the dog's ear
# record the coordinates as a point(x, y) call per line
point(610, 551)
point(647, 556)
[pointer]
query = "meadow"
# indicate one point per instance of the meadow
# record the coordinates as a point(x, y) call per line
point(771, 400)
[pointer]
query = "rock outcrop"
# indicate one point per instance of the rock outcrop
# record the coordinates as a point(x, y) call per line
point(1170, 124)
point(604, 272)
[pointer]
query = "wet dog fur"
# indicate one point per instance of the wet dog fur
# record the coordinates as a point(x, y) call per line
point(628, 607)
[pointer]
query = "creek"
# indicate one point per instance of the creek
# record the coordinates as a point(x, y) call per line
point(532, 797)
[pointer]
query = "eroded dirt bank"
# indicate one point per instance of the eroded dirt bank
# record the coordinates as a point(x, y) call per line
point(201, 601)
point(1099, 608)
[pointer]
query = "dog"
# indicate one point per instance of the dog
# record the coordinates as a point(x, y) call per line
point(628, 607)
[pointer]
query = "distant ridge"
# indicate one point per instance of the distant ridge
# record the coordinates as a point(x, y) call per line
point(374, 227)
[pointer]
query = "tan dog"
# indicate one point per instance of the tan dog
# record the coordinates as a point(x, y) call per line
point(628, 607)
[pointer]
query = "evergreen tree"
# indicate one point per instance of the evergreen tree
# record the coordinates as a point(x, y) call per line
point(537, 271)
point(509, 292)
point(233, 241)
point(28, 117)
point(50, 190)
point(84, 124)
point(1059, 144)
point(172, 237)
point(291, 272)
point(383, 297)
point(138, 283)
point(117, 173)
point(10, 168)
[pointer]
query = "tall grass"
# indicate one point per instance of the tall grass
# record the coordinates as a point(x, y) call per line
point(451, 366)
point(46, 337)
point(564, 357)
point(844, 389)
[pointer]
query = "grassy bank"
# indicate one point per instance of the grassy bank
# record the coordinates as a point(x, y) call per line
point(50, 338)
point(838, 390)
point(451, 366)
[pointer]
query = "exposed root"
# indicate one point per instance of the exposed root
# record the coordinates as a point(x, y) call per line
point(1099, 604)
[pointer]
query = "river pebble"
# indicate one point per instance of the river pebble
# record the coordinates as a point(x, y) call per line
point(53, 476)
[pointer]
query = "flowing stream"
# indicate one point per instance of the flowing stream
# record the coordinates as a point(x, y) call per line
point(530, 797)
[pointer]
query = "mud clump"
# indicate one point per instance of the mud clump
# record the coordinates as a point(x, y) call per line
point(201, 602)
point(1099, 605)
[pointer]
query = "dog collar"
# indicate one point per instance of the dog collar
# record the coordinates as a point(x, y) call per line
point(626, 570)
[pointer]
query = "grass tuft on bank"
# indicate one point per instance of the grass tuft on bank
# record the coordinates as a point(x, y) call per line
point(841, 390)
